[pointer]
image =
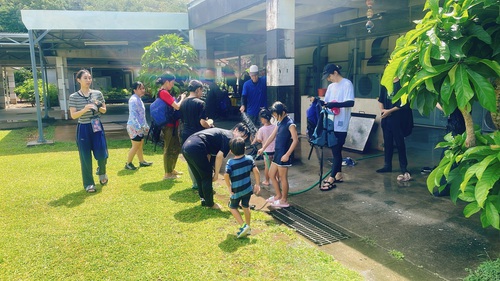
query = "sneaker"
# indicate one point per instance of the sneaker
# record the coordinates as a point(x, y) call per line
point(404, 177)
point(130, 166)
point(145, 164)
point(244, 231)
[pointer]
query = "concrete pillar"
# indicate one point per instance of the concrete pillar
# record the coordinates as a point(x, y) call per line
point(11, 85)
point(280, 27)
point(198, 39)
point(63, 85)
point(3, 92)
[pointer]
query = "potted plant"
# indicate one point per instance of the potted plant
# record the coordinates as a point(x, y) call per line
point(452, 58)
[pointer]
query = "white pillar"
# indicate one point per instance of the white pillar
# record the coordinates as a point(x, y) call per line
point(62, 85)
point(3, 92)
point(280, 27)
point(11, 85)
point(198, 39)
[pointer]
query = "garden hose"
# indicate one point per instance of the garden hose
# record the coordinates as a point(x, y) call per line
point(312, 186)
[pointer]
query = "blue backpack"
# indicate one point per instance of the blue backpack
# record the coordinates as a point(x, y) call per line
point(323, 134)
point(162, 113)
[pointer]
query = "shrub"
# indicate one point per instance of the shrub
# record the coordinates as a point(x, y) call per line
point(488, 270)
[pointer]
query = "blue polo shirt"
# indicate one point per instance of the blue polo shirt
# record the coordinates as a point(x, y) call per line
point(256, 94)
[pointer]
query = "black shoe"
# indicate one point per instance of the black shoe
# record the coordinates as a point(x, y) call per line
point(384, 170)
point(145, 164)
point(130, 166)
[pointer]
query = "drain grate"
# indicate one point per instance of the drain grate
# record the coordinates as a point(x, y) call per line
point(318, 232)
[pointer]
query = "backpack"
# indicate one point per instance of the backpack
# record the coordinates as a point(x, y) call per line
point(312, 115)
point(162, 113)
point(323, 134)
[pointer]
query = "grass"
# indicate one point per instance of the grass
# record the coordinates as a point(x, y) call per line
point(138, 227)
point(396, 255)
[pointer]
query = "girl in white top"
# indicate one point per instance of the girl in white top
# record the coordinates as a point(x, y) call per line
point(340, 94)
point(262, 135)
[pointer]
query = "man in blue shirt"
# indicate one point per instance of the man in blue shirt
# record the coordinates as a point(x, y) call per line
point(254, 95)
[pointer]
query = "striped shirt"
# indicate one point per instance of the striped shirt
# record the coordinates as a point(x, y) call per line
point(78, 101)
point(239, 172)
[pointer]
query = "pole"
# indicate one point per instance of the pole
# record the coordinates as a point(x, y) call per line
point(41, 139)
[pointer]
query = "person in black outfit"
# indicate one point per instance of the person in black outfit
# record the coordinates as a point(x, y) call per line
point(193, 114)
point(393, 122)
point(200, 148)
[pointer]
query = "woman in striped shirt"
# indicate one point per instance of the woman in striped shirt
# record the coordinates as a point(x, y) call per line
point(87, 105)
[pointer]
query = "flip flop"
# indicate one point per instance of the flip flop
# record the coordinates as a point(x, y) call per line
point(338, 180)
point(270, 199)
point(327, 186)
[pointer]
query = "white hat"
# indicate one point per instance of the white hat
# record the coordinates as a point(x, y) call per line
point(253, 69)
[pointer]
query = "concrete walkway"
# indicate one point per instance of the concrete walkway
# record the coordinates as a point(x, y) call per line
point(378, 213)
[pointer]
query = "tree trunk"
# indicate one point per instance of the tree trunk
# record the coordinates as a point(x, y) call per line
point(470, 140)
point(495, 116)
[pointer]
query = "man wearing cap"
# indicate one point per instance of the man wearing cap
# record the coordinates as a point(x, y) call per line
point(254, 95)
point(340, 96)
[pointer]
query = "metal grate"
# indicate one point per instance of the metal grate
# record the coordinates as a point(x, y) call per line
point(318, 232)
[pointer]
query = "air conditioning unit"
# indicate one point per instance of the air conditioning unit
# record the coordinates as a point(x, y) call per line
point(488, 125)
point(367, 85)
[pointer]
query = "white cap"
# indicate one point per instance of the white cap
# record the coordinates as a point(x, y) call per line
point(253, 69)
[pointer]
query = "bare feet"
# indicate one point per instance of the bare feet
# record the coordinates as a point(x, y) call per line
point(266, 183)
point(169, 176)
point(177, 173)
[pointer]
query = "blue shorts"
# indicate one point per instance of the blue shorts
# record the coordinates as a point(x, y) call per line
point(245, 200)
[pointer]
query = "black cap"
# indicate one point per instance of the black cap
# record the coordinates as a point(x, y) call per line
point(329, 69)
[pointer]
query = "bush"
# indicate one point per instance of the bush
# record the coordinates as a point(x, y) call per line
point(116, 94)
point(489, 270)
point(26, 91)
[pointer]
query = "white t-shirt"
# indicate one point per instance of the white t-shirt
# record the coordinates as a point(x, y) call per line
point(341, 92)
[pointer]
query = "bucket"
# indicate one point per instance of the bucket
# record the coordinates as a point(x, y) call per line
point(321, 92)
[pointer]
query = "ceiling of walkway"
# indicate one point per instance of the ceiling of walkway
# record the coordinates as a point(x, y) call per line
point(317, 22)
point(232, 29)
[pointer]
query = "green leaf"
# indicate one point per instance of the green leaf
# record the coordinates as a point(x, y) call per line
point(432, 5)
point(440, 51)
point(484, 90)
point(456, 48)
point(492, 215)
point(446, 90)
point(471, 209)
point(487, 181)
point(468, 175)
point(425, 59)
point(494, 65)
point(479, 32)
point(467, 196)
point(462, 86)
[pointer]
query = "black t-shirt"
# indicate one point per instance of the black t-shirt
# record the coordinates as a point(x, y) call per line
point(214, 139)
point(192, 110)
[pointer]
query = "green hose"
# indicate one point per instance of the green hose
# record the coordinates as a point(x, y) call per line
point(319, 182)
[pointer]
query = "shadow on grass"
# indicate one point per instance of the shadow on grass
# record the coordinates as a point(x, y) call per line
point(127, 172)
point(199, 213)
point(73, 199)
point(156, 186)
point(185, 196)
point(232, 243)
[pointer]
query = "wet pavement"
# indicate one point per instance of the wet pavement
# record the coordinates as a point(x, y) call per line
point(380, 215)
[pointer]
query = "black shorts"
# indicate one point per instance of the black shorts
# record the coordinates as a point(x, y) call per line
point(245, 200)
point(138, 138)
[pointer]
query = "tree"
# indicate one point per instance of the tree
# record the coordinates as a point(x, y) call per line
point(452, 58)
point(169, 53)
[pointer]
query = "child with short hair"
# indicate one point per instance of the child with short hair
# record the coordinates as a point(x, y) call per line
point(237, 178)
point(262, 135)
point(285, 131)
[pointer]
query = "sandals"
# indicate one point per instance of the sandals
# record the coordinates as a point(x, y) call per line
point(327, 186)
point(103, 179)
point(90, 188)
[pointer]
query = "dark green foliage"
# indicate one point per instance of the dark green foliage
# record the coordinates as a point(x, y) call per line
point(487, 271)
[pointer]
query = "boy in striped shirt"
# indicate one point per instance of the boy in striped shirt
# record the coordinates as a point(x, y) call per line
point(237, 177)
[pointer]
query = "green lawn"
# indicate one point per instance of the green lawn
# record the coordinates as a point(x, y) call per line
point(138, 227)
